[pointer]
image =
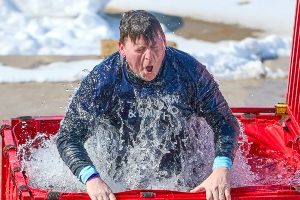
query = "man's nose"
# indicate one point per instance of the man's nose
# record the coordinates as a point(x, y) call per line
point(148, 54)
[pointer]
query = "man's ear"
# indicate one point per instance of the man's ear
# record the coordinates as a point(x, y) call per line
point(165, 40)
point(121, 49)
point(163, 37)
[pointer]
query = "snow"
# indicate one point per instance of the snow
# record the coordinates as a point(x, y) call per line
point(67, 27)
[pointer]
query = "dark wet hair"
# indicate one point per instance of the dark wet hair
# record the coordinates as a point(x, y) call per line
point(137, 23)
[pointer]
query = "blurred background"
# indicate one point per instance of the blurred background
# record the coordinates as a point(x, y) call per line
point(47, 47)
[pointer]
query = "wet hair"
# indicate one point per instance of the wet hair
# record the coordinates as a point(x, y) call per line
point(137, 23)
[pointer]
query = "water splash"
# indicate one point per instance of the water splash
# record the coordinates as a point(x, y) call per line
point(135, 163)
point(44, 167)
point(47, 171)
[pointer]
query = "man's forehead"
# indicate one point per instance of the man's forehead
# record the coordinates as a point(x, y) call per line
point(140, 40)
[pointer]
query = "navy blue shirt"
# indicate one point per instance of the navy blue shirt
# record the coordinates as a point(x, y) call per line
point(182, 89)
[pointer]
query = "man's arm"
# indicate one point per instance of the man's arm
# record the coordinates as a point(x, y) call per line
point(211, 104)
point(74, 128)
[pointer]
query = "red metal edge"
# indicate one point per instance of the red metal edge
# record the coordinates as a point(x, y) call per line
point(52, 117)
point(293, 125)
point(275, 192)
point(12, 166)
point(254, 110)
point(293, 87)
point(40, 117)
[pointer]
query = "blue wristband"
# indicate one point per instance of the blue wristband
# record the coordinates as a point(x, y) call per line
point(93, 176)
point(222, 161)
point(86, 173)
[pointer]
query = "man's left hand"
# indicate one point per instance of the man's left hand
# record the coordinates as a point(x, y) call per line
point(217, 185)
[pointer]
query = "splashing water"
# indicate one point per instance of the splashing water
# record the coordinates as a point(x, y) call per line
point(44, 167)
point(142, 170)
point(47, 171)
point(137, 166)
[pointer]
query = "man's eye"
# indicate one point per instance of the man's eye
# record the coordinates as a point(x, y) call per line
point(140, 50)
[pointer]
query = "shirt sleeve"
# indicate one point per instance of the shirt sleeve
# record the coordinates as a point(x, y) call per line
point(75, 127)
point(86, 173)
point(210, 104)
point(221, 161)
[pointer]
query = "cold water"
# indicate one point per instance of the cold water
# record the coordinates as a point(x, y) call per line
point(47, 171)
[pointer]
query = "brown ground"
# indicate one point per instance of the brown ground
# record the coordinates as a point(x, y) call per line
point(213, 32)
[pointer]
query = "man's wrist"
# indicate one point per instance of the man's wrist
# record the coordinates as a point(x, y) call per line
point(87, 173)
point(222, 161)
point(93, 176)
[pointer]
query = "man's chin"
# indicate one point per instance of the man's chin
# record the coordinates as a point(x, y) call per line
point(149, 77)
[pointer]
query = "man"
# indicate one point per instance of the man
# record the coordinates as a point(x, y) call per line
point(148, 92)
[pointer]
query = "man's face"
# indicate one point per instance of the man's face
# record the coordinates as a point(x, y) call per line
point(144, 60)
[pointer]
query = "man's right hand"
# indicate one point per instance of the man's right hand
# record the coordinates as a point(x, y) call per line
point(98, 190)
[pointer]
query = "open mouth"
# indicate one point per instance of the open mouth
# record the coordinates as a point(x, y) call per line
point(149, 68)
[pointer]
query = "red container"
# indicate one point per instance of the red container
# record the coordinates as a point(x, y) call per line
point(263, 129)
point(275, 129)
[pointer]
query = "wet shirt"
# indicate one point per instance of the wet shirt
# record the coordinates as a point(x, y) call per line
point(140, 111)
